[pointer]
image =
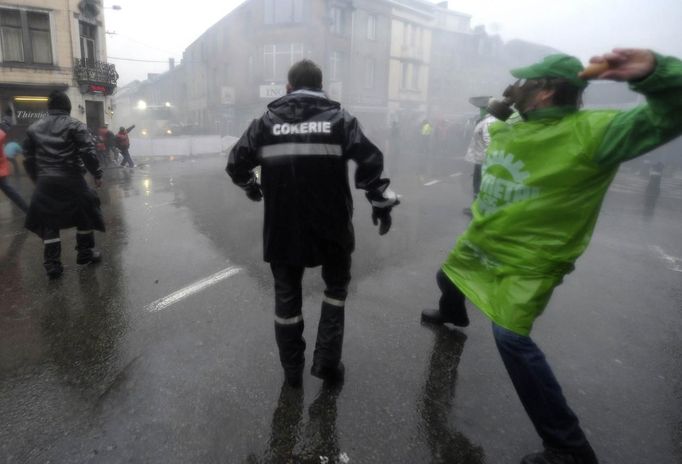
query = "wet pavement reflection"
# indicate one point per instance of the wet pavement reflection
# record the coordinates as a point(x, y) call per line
point(89, 375)
point(83, 336)
point(446, 444)
point(292, 441)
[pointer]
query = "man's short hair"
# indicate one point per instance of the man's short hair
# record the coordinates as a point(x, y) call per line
point(305, 74)
point(58, 100)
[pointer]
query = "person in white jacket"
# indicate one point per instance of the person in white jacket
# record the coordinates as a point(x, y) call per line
point(479, 144)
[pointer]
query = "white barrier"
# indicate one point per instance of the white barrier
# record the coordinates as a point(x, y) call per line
point(181, 146)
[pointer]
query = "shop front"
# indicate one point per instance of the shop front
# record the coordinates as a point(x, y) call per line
point(27, 103)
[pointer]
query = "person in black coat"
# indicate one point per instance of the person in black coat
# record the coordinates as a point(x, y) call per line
point(58, 151)
point(303, 144)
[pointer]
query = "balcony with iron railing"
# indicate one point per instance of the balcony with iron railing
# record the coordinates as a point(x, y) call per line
point(93, 74)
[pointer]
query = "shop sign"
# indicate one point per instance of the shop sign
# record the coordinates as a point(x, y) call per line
point(92, 88)
point(30, 116)
point(29, 112)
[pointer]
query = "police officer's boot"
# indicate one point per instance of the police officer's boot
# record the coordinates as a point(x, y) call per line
point(85, 244)
point(327, 357)
point(51, 258)
point(291, 346)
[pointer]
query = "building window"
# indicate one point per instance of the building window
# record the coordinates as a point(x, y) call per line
point(278, 58)
point(370, 73)
point(88, 33)
point(11, 36)
point(336, 20)
point(283, 11)
point(410, 76)
point(414, 83)
point(15, 25)
point(39, 31)
point(407, 34)
point(371, 27)
point(335, 66)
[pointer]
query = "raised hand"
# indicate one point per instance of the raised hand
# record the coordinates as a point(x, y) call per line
point(622, 64)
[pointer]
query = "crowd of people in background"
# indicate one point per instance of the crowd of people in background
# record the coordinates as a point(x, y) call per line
point(111, 146)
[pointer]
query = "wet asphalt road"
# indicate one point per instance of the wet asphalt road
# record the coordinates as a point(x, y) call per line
point(90, 374)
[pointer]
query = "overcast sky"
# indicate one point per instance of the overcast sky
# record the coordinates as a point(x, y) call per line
point(155, 30)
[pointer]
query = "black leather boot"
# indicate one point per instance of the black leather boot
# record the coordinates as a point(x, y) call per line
point(328, 347)
point(85, 244)
point(291, 346)
point(435, 316)
point(52, 258)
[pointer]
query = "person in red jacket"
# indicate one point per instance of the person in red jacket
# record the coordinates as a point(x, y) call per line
point(123, 144)
point(105, 145)
point(4, 167)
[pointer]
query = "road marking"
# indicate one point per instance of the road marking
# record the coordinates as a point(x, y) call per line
point(159, 204)
point(433, 182)
point(196, 287)
point(673, 263)
point(457, 174)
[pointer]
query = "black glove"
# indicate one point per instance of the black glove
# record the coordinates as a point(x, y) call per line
point(254, 192)
point(383, 216)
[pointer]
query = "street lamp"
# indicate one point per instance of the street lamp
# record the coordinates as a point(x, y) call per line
point(141, 105)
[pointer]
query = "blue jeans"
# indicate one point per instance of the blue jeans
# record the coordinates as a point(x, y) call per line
point(539, 391)
point(126, 158)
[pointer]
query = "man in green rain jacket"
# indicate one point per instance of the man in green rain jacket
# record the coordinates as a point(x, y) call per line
point(544, 180)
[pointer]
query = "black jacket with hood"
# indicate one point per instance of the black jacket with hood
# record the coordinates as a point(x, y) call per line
point(303, 144)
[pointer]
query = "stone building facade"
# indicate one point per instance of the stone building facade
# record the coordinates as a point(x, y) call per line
point(384, 60)
point(47, 45)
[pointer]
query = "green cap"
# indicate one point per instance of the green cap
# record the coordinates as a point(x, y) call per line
point(558, 66)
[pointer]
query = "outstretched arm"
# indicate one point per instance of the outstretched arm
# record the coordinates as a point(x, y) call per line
point(636, 132)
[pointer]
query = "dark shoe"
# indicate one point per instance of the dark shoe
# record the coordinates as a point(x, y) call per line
point(89, 257)
point(551, 456)
point(329, 374)
point(434, 316)
point(54, 271)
